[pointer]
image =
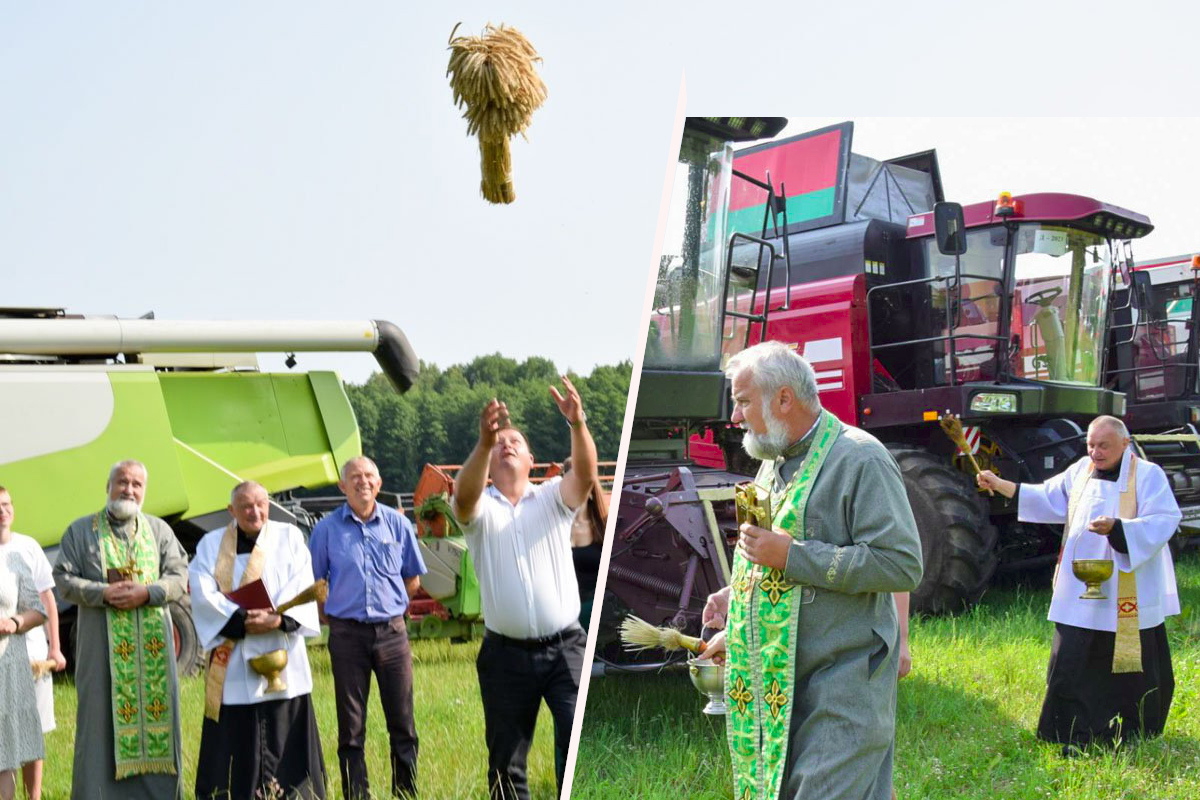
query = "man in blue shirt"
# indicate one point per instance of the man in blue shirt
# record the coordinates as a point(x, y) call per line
point(368, 552)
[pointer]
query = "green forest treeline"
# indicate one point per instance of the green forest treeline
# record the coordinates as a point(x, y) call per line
point(437, 420)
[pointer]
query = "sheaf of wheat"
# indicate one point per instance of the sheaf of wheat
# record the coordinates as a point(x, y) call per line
point(494, 80)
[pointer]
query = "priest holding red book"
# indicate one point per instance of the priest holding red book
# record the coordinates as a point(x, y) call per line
point(260, 734)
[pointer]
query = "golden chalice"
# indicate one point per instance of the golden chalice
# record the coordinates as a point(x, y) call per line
point(1093, 572)
point(709, 680)
point(270, 666)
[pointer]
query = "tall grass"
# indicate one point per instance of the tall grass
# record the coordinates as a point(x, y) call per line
point(964, 725)
point(449, 716)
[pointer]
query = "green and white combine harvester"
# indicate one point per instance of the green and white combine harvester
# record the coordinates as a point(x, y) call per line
point(78, 394)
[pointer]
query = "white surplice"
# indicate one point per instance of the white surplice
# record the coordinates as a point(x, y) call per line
point(287, 570)
point(1146, 536)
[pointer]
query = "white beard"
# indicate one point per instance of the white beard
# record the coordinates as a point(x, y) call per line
point(122, 510)
point(770, 445)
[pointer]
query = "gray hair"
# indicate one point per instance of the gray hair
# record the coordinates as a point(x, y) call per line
point(1114, 423)
point(355, 460)
point(126, 464)
point(774, 365)
point(245, 486)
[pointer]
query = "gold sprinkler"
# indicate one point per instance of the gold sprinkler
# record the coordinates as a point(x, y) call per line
point(952, 427)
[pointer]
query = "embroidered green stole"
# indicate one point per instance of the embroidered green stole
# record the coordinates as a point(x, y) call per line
point(138, 649)
point(764, 609)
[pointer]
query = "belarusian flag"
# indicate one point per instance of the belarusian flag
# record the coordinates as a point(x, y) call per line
point(805, 166)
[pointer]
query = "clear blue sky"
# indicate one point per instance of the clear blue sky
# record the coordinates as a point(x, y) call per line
point(304, 160)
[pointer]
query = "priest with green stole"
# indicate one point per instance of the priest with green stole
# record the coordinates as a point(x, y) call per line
point(121, 567)
point(1110, 673)
point(811, 633)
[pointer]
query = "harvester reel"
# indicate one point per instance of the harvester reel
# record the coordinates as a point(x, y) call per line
point(669, 553)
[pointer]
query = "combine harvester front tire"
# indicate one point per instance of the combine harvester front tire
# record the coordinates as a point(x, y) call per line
point(958, 541)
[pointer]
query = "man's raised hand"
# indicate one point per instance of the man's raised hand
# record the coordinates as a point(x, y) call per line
point(570, 406)
point(493, 418)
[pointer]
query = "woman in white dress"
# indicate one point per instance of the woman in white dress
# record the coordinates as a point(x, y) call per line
point(20, 726)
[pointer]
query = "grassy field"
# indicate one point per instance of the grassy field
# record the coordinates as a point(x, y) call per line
point(965, 719)
point(449, 716)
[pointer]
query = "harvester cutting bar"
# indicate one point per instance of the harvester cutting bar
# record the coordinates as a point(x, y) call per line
point(1179, 456)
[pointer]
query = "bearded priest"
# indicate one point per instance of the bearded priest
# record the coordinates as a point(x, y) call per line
point(1110, 671)
point(812, 635)
point(121, 568)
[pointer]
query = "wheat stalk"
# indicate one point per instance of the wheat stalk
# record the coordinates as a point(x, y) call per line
point(637, 634)
point(41, 668)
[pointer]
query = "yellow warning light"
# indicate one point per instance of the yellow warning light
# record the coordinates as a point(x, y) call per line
point(1005, 206)
point(1196, 262)
point(930, 416)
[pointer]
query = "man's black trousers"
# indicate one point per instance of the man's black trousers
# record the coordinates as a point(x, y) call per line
point(356, 649)
point(514, 677)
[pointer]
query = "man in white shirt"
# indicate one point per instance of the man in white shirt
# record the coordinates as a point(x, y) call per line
point(519, 537)
point(255, 742)
point(1110, 670)
point(39, 649)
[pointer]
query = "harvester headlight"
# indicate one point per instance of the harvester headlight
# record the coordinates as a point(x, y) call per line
point(994, 403)
point(1119, 405)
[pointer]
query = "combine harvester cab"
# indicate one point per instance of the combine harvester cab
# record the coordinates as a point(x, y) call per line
point(186, 399)
point(996, 314)
point(1156, 363)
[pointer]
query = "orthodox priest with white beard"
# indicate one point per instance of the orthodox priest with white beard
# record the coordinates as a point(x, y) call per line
point(121, 567)
point(1110, 670)
point(812, 632)
point(256, 742)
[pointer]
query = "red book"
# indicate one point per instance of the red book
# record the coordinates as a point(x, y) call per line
point(251, 596)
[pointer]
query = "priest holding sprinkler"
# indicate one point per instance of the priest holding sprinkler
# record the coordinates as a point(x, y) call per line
point(1110, 674)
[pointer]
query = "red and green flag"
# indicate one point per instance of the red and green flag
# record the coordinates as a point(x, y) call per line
point(807, 167)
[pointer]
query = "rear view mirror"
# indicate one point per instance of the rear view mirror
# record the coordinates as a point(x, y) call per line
point(1140, 289)
point(949, 228)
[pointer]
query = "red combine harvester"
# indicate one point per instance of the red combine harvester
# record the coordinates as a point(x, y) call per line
point(908, 309)
point(1155, 362)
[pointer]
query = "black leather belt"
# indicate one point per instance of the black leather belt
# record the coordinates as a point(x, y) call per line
point(566, 634)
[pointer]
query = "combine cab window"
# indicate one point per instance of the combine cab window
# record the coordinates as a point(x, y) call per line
point(1159, 352)
point(684, 326)
point(970, 312)
point(1060, 303)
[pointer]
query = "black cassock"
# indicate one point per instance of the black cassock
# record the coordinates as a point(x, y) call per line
point(254, 751)
point(1086, 702)
point(254, 748)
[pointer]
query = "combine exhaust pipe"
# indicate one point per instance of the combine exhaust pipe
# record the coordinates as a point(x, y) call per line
point(76, 337)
